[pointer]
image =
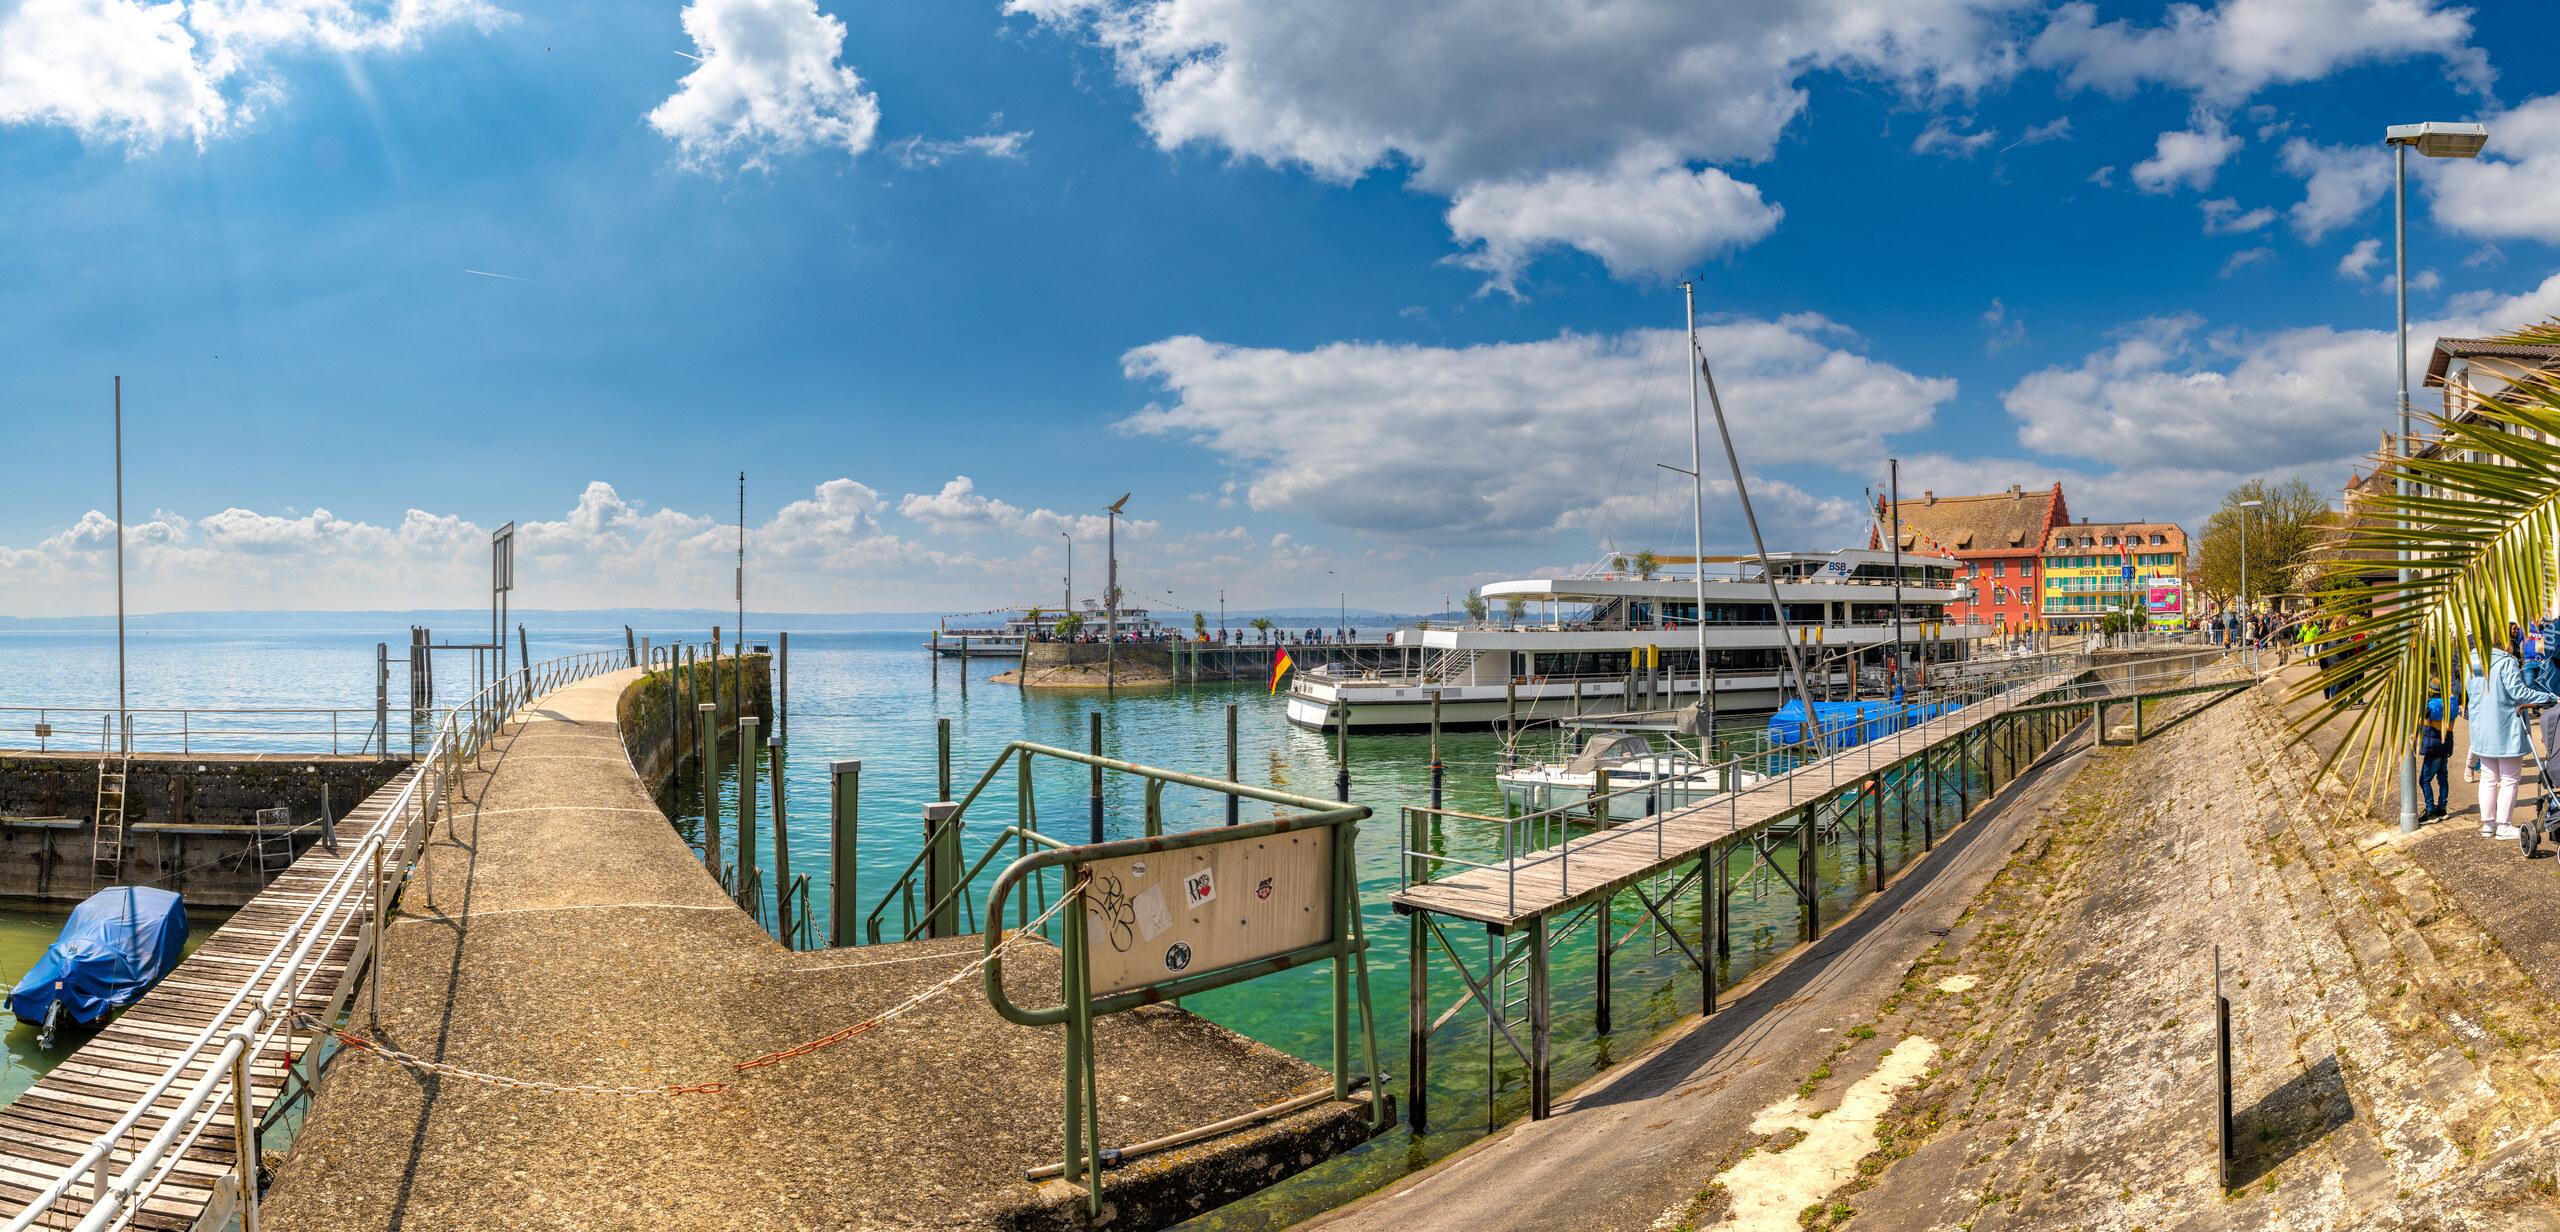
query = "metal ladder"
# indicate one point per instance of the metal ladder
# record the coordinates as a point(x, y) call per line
point(273, 839)
point(107, 858)
point(1451, 667)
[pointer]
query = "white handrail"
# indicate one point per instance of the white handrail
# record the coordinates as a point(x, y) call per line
point(413, 809)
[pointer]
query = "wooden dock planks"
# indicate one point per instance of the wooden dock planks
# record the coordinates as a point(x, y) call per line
point(1586, 866)
point(45, 1130)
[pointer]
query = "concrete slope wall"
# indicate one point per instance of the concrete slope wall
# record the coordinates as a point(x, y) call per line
point(744, 686)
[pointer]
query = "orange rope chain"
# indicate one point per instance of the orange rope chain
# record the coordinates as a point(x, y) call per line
point(422, 1065)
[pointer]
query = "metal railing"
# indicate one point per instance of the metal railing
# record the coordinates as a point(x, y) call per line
point(191, 729)
point(280, 989)
point(1809, 767)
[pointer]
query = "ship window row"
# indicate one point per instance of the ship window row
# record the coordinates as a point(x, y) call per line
point(1642, 615)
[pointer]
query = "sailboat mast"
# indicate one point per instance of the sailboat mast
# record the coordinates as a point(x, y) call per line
point(1698, 511)
point(1741, 490)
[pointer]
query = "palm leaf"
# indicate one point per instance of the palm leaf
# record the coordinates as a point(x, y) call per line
point(2480, 538)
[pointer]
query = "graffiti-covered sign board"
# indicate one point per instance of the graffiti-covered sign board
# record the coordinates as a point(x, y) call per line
point(1164, 915)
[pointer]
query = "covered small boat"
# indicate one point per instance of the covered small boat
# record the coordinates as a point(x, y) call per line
point(113, 949)
point(1849, 724)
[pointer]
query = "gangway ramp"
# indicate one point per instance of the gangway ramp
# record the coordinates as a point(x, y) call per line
point(318, 898)
point(1560, 876)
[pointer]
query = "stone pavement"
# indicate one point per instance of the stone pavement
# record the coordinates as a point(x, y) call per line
point(567, 933)
point(2392, 1066)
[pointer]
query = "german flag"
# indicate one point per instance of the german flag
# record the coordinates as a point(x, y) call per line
point(1280, 665)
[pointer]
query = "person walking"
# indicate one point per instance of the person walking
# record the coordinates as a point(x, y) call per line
point(2498, 736)
point(2435, 752)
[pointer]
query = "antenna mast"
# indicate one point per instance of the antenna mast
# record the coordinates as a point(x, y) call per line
point(742, 562)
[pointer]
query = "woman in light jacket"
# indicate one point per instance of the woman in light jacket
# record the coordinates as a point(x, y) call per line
point(2498, 736)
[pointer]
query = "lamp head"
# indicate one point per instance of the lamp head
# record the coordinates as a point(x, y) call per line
point(2440, 140)
point(2251, 504)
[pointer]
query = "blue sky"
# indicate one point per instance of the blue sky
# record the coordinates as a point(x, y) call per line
point(1355, 295)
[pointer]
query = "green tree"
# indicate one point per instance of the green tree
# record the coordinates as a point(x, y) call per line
point(1070, 625)
point(1476, 607)
point(1513, 606)
point(2483, 517)
point(2277, 537)
point(1618, 564)
point(1200, 626)
point(1261, 624)
point(1647, 564)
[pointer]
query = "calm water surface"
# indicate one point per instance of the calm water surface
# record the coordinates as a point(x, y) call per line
point(875, 697)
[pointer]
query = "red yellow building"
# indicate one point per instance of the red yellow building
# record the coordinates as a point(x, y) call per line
point(1999, 539)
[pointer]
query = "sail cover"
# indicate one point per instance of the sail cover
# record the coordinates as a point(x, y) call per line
point(115, 947)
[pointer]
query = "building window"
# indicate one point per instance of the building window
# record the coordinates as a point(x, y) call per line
point(2000, 594)
point(1999, 568)
point(2159, 538)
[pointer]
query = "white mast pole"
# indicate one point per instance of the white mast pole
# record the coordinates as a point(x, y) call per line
point(1698, 512)
point(124, 738)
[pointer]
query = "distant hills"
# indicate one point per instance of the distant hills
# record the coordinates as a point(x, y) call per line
point(460, 621)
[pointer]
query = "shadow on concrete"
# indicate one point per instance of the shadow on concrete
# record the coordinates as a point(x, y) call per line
point(2288, 1120)
point(1752, 1012)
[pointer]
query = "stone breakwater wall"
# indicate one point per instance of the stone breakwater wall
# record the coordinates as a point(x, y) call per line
point(187, 818)
point(743, 685)
point(1091, 665)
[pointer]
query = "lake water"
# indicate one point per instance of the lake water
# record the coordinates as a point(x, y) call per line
point(875, 697)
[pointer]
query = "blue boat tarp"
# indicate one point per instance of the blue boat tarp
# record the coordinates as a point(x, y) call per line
point(1849, 724)
point(115, 947)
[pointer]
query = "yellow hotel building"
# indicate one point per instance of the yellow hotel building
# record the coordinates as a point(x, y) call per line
point(2085, 573)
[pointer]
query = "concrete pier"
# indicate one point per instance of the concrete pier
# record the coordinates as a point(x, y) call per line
point(571, 937)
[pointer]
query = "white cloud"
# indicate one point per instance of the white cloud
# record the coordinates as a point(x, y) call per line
point(1526, 116)
point(959, 509)
point(2245, 258)
point(1004, 145)
point(2225, 54)
point(768, 84)
point(2341, 183)
point(2001, 331)
point(2173, 394)
point(2057, 129)
point(2188, 157)
point(2359, 262)
point(1636, 221)
point(2508, 192)
point(1940, 136)
point(2222, 216)
point(1509, 442)
point(140, 74)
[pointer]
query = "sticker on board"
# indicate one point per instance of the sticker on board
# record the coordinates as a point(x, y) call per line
point(1153, 918)
point(1177, 957)
point(1200, 887)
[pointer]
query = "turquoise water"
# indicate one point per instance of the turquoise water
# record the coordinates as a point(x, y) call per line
point(876, 697)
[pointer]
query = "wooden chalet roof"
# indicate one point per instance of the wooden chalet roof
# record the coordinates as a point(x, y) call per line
point(2514, 355)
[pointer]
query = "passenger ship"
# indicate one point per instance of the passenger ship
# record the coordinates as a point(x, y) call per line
point(1580, 655)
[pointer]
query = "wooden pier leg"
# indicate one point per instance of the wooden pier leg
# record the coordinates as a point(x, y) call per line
point(1606, 918)
point(1540, 1021)
point(1878, 829)
point(1929, 801)
point(1964, 779)
point(1724, 902)
point(1808, 860)
point(1710, 934)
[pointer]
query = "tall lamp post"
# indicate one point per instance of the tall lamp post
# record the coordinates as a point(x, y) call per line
point(1071, 573)
point(2248, 620)
point(2434, 141)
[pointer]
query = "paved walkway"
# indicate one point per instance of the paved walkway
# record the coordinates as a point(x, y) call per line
point(571, 936)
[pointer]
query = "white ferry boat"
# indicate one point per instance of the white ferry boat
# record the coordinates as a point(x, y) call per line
point(1576, 654)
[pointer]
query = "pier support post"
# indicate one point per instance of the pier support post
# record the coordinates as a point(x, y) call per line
point(942, 868)
point(1605, 916)
point(782, 705)
point(1417, 1079)
point(942, 758)
point(1234, 769)
point(706, 737)
point(1096, 785)
point(1808, 859)
point(746, 800)
point(1342, 750)
point(1540, 1021)
point(1437, 770)
point(784, 929)
point(844, 837)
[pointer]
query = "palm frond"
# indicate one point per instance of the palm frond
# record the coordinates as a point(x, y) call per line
point(2482, 523)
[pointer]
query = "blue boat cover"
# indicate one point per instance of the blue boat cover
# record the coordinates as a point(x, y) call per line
point(1849, 724)
point(115, 947)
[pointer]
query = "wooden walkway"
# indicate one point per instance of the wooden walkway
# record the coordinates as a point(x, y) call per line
point(1589, 866)
point(46, 1129)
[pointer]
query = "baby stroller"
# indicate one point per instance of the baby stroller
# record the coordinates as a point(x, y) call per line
point(2530, 831)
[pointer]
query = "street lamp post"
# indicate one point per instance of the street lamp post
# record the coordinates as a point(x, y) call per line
point(1071, 572)
point(2434, 141)
point(2248, 622)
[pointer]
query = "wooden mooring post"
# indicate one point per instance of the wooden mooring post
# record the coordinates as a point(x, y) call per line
point(844, 838)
